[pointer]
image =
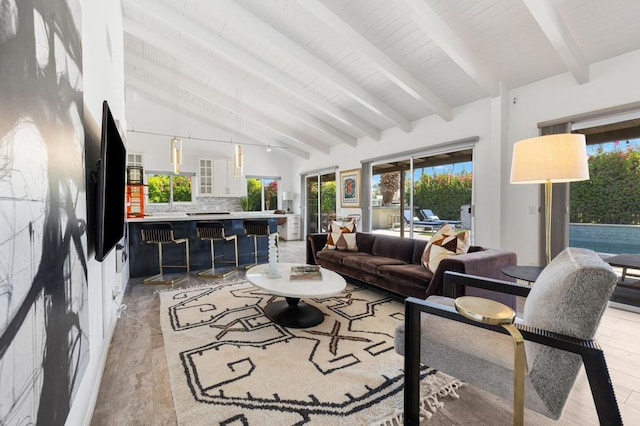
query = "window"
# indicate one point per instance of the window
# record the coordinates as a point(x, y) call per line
point(167, 188)
point(604, 216)
point(262, 193)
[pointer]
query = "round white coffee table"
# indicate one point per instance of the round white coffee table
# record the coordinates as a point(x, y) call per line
point(291, 312)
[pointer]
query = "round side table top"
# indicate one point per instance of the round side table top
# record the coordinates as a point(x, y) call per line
point(484, 310)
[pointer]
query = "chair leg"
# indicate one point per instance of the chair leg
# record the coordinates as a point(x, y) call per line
point(235, 248)
point(159, 278)
point(604, 397)
point(213, 273)
point(188, 263)
point(412, 366)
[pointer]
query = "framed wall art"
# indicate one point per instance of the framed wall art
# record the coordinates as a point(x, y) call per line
point(350, 188)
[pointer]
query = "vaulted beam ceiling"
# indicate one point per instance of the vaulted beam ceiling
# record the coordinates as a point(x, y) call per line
point(209, 42)
point(386, 65)
point(309, 60)
point(210, 116)
point(452, 45)
point(289, 135)
point(313, 75)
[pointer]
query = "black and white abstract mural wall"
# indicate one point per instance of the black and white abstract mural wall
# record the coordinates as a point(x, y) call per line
point(44, 323)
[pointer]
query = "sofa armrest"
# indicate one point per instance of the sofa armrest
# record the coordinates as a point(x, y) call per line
point(486, 263)
point(315, 243)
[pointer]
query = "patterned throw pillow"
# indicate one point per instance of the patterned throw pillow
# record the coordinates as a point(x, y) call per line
point(344, 228)
point(342, 237)
point(445, 242)
point(341, 241)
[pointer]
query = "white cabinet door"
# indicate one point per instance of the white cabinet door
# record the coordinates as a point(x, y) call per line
point(220, 178)
point(224, 183)
point(236, 183)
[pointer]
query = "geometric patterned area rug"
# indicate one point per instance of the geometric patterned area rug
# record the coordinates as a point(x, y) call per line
point(230, 365)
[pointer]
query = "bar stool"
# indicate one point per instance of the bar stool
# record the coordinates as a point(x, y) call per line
point(255, 229)
point(214, 231)
point(162, 233)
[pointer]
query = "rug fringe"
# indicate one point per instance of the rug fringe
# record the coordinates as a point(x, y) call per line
point(428, 405)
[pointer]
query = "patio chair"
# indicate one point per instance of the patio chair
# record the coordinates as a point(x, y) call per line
point(421, 223)
point(430, 216)
point(561, 315)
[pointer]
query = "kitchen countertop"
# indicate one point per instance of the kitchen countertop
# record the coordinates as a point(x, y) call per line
point(175, 216)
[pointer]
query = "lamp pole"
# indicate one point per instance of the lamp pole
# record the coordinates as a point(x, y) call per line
point(547, 220)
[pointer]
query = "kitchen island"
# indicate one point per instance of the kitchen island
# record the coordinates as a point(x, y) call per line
point(143, 257)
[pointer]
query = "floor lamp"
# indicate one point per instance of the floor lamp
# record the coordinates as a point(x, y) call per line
point(550, 159)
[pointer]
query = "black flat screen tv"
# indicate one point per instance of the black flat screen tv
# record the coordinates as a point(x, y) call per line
point(110, 188)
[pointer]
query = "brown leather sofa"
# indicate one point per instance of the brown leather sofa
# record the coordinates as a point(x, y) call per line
point(394, 264)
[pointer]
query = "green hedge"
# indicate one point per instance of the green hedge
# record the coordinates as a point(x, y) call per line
point(444, 194)
point(612, 194)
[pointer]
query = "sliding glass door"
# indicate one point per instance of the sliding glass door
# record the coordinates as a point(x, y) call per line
point(320, 193)
point(414, 196)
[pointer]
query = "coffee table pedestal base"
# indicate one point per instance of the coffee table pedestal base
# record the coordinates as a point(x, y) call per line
point(293, 313)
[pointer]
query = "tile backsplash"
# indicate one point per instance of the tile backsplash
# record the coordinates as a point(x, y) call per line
point(201, 204)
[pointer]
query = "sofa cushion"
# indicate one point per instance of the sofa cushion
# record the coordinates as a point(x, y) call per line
point(393, 247)
point(337, 256)
point(365, 242)
point(445, 242)
point(409, 272)
point(418, 249)
point(370, 263)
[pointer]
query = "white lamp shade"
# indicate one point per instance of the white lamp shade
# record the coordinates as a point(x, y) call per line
point(287, 196)
point(552, 158)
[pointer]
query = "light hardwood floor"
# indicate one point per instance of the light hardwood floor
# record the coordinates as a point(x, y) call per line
point(135, 386)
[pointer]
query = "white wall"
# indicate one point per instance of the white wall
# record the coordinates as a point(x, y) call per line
point(103, 77)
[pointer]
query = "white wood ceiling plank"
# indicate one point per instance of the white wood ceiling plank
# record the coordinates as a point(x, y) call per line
point(213, 67)
point(599, 39)
point(207, 41)
point(310, 61)
point(385, 65)
point(169, 100)
point(165, 77)
point(440, 32)
point(556, 31)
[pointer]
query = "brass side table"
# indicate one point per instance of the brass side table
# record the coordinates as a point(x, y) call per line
point(491, 312)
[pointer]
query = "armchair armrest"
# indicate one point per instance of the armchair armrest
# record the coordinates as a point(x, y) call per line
point(592, 356)
point(454, 281)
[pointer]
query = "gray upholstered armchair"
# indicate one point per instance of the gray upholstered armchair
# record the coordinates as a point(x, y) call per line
point(561, 315)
